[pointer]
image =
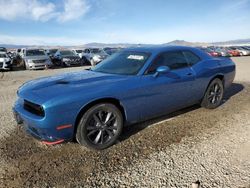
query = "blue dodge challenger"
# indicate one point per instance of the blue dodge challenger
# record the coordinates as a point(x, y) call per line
point(130, 86)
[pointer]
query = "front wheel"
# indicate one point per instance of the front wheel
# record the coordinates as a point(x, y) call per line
point(100, 126)
point(214, 94)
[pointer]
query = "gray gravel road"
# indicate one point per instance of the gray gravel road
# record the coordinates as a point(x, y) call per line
point(194, 144)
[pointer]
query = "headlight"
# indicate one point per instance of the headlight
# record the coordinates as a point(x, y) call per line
point(29, 61)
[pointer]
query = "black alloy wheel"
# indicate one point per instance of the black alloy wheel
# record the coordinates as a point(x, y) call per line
point(213, 95)
point(100, 126)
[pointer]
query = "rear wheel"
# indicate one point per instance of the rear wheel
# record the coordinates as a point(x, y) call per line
point(100, 126)
point(214, 94)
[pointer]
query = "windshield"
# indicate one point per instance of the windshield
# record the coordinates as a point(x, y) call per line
point(3, 50)
point(53, 51)
point(79, 51)
point(96, 51)
point(3, 55)
point(111, 51)
point(124, 63)
point(207, 50)
point(35, 52)
point(67, 52)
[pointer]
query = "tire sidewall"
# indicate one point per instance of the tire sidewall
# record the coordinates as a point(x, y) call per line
point(81, 134)
point(205, 102)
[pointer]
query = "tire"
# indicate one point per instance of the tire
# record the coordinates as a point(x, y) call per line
point(214, 94)
point(57, 63)
point(93, 132)
point(63, 65)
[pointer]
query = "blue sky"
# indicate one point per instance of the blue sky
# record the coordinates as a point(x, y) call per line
point(75, 22)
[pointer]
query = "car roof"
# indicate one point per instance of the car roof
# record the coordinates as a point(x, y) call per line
point(158, 49)
point(33, 49)
point(63, 50)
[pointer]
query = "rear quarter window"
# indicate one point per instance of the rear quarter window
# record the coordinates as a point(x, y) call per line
point(192, 58)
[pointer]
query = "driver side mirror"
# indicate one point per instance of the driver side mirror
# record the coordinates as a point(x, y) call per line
point(161, 70)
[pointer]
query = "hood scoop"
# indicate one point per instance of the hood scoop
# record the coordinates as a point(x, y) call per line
point(62, 82)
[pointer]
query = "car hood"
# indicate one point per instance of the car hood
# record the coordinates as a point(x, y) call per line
point(4, 59)
point(49, 88)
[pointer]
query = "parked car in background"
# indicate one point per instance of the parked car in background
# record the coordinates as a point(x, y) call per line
point(11, 54)
point(133, 85)
point(94, 55)
point(111, 51)
point(78, 52)
point(5, 61)
point(18, 51)
point(35, 59)
point(22, 52)
point(246, 48)
point(51, 52)
point(242, 51)
point(2, 49)
point(223, 52)
point(211, 52)
point(233, 52)
point(66, 58)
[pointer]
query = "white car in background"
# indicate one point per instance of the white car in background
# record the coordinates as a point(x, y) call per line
point(94, 55)
point(5, 61)
point(78, 52)
point(242, 51)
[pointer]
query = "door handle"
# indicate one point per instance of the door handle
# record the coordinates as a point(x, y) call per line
point(189, 74)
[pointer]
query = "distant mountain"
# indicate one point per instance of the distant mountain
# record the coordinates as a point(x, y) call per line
point(125, 45)
point(113, 45)
point(13, 46)
point(234, 42)
point(185, 43)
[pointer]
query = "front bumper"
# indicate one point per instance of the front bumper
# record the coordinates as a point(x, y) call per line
point(73, 63)
point(5, 65)
point(40, 127)
point(36, 66)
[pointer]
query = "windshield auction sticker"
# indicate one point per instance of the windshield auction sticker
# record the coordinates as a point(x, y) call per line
point(136, 57)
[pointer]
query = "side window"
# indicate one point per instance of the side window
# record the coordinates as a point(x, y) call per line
point(191, 57)
point(174, 60)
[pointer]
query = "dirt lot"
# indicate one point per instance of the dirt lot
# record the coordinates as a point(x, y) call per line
point(194, 144)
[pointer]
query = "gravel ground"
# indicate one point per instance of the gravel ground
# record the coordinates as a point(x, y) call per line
point(194, 144)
